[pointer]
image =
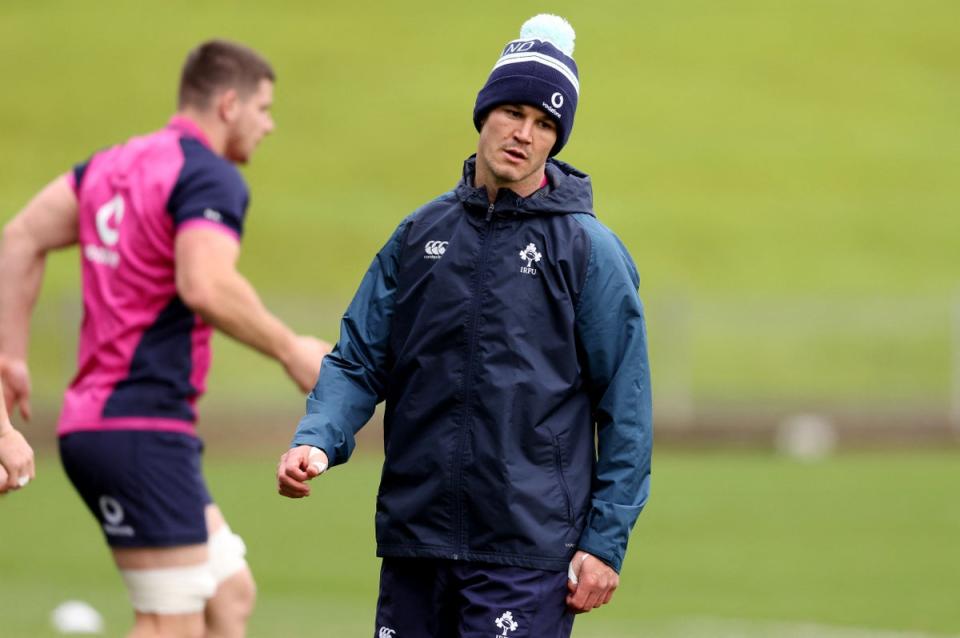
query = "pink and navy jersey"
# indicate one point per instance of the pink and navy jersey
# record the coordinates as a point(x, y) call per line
point(143, 355)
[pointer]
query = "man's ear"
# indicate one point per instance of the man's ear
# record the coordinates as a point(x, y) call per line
point(228, 105)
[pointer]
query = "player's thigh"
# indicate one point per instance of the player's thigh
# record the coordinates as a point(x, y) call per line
point(500, 600)
point(214, 517)
point(160, 557)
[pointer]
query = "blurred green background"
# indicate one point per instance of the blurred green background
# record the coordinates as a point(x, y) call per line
point(784, 174)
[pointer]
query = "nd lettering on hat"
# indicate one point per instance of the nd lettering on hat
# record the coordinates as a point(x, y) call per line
point(538, 70)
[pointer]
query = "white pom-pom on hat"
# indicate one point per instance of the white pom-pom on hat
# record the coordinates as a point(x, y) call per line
point(551, 28)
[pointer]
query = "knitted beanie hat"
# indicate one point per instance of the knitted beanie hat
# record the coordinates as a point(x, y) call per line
point(538, 70)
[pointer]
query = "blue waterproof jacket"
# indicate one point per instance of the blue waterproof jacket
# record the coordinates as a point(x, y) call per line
point(508, 341)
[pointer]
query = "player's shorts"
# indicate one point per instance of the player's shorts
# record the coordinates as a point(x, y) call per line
point(429, 598)
point(145, 488)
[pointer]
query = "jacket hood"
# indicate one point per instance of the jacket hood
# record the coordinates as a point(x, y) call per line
point(568, 191)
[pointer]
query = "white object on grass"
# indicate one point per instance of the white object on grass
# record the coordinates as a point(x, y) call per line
point(806, 437)
point(76, 617)
point(316, 458)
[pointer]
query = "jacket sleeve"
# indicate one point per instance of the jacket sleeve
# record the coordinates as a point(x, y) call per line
point(353, 376)
point(612, 334)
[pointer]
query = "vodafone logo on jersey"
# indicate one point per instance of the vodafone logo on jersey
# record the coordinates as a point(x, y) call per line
point(107, 219)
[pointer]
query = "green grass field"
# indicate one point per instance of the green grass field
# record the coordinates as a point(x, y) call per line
point(747, 545)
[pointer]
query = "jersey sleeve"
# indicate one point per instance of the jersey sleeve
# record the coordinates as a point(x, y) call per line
point(209, 190)
point(75, 175)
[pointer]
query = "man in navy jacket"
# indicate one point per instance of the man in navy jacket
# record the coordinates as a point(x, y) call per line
point(502, 326)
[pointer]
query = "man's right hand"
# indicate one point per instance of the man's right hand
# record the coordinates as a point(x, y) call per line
point(15, 377)
point(591, 583)
point(297, 466)
point(303, 362)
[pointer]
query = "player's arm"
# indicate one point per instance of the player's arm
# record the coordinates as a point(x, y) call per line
point(209, 284)
point(16, 456)
point(353, 378)
point(610, 327)
point(47, 222)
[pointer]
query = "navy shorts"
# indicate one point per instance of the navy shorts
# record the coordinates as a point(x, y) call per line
point(145, 488)
point(430, 598)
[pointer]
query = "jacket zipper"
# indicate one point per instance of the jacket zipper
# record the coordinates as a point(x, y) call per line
point(563, 481)
point(461, 541)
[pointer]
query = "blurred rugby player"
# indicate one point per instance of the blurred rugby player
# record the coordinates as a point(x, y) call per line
point(158, 220)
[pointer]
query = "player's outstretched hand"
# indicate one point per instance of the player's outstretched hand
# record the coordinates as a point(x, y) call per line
point(297, 466)
point(16, 386)
point(303, 363)
point(591, 583)
point(16, 460)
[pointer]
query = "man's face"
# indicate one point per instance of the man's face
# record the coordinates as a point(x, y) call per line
point(249, 120)
point(515, 141)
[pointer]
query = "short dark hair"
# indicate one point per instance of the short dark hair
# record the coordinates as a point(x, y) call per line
point(217, 65)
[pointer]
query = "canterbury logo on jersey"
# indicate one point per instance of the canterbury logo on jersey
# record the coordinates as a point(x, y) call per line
point(435, 249)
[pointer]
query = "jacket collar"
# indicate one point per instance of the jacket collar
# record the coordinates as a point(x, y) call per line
point(567, 191)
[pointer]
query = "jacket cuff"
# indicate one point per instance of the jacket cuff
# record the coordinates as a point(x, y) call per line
point(605, 535)
point(316, 431)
